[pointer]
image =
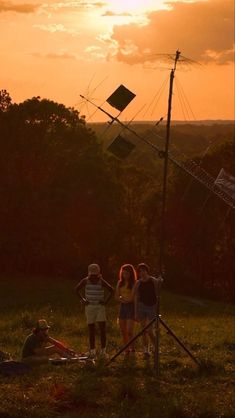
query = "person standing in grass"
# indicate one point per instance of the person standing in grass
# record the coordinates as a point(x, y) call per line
point(146, 293)
point(94, 300)
point(125, 296)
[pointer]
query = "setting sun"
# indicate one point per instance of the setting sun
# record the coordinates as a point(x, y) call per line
point(135, 6)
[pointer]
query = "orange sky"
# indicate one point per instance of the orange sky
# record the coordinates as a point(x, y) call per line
point(60, 48)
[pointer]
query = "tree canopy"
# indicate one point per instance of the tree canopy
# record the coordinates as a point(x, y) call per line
point(66, 202)
point(57, 196)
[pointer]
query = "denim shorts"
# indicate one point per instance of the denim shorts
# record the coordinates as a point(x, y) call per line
point(127, 311)
point(146, 312)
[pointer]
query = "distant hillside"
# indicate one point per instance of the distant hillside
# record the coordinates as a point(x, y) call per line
point(179, 122)
point(191, 139)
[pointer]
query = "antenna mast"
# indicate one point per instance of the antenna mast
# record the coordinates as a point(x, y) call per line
point(165, 173)
point(163, 215)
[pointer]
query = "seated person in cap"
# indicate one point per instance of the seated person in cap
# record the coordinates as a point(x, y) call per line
point(94, 288)
point(39, 347)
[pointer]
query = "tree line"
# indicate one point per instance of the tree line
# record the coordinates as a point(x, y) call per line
point(66, 202)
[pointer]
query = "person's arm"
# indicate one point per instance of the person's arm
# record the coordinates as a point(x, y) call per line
point(117, 292)
point(48, 351)
point(78, 288)
point(157, 283)
point(67, 352)
point(136, 297)
point(110, 290)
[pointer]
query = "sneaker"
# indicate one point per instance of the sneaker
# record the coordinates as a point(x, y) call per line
point(103, 353)
point(91, 354)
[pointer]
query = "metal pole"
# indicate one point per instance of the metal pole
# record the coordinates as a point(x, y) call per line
point(163, 214)
point(165, 173)
point(157, 340)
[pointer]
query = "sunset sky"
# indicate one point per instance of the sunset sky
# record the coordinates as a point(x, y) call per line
point(58, 49)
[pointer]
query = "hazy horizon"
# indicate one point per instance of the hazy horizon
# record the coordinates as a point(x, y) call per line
point(172, 121)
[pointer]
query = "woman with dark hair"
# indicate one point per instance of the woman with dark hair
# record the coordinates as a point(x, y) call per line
point(125, 296)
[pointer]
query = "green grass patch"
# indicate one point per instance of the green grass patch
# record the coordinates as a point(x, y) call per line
point(128, 387)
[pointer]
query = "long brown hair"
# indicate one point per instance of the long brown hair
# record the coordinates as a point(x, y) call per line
point(132, 278)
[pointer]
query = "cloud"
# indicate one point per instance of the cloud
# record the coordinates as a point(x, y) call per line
point(7, 6)
point(62, 55)
point(55, 55)
point(105, 38)
point(202, 30)
point(109, 13)
point(93, 48)
point(56, 27)
point(70, 6)
point(94, 52)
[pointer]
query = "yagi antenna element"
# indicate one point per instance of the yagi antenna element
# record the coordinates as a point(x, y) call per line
point(120, 98)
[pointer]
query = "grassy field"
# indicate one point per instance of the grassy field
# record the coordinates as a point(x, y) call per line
point(128, 387)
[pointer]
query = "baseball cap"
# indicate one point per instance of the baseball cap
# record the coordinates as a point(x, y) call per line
point(93, 269)
point(42, 324)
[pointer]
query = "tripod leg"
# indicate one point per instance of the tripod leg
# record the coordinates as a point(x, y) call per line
point(131, 341)
point(157, 343)
point(178, 341)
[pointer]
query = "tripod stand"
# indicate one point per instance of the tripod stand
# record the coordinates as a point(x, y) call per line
point(169, 331)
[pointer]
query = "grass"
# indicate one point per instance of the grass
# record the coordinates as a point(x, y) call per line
point(127, 388)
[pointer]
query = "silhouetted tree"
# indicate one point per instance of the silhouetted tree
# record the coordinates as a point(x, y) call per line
point(57, 193)
point(5, 100)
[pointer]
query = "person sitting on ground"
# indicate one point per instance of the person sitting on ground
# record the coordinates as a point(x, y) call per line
point(38, 346)
point(95, 302)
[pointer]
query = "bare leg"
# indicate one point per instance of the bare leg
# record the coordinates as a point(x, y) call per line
point(151, 336)
point(91, 329)
point(130, 328)
point(102, 326)
point(123, 329)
